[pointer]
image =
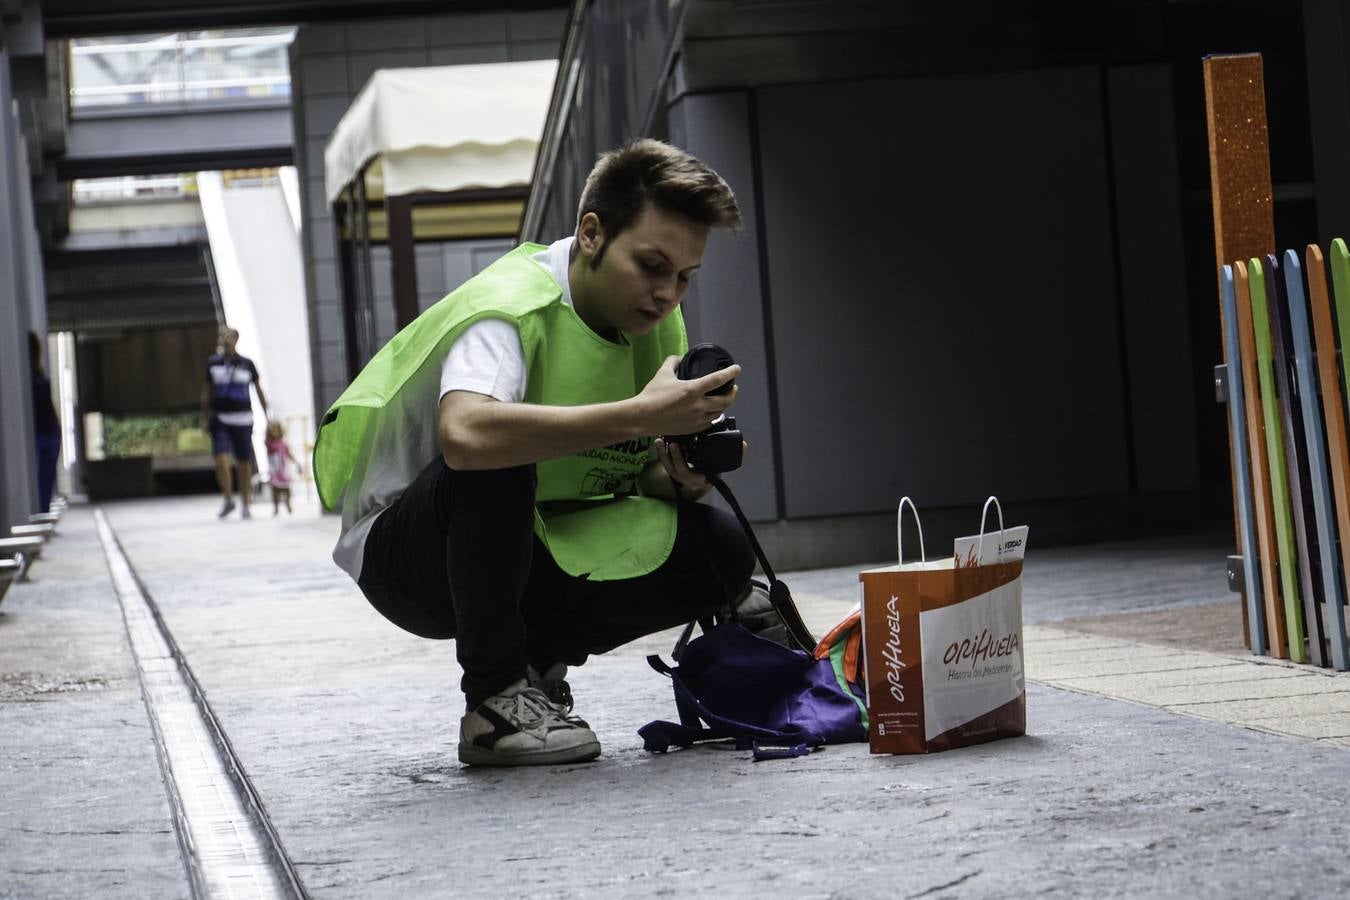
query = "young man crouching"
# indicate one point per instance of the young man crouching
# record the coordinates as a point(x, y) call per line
point(501, 474)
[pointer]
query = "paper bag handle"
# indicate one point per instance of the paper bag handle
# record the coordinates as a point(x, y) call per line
point(899, 531)
point(983, 515)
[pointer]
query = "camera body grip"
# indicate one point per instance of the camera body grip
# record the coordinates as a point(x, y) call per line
point(719, 447)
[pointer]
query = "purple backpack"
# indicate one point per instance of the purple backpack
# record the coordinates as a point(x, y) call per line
point(777, 699)
point(765, 696)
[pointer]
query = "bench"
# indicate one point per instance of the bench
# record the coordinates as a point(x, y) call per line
point(45, 519)
point(42, 530)
point(24, 549)
point(9, 573)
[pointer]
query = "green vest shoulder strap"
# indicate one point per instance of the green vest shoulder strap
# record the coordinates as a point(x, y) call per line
point(510, 287)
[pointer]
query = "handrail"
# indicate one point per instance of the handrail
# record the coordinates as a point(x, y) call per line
point(559, 108)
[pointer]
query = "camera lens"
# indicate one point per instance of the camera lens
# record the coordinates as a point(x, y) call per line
point(704, 359)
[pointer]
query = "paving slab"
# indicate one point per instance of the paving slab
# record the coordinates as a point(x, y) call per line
point(1316, 703)
point(1232, 671)
point(1145, 663)
point(1272, 695)
point(1175, 696)
point(1321, 725)
point(1048, 653)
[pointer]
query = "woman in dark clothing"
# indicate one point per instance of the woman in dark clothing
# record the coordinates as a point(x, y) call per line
point(46, 426)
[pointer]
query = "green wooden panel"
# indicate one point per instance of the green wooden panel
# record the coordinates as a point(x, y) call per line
point(1279, 476)
point(1340, 281)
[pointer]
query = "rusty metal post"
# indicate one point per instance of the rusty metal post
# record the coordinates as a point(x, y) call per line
point(1239, 174)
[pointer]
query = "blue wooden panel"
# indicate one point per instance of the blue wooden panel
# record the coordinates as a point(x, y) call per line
point(1237, 424)
point(1300, 477)
point(1305, 368)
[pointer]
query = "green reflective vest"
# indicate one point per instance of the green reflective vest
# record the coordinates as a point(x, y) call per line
point(583, 511)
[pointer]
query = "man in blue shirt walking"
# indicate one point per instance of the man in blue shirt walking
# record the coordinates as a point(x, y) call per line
point(227, 414)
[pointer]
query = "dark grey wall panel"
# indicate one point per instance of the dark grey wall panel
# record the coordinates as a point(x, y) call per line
point(626, 44)
point(443, 267)
point(940, 260)
point(724, 303)
point(382, 278)
point(18, 466)
point(1153, 278)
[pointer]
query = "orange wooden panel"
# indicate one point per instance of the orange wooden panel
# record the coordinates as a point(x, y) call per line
point(1332, 403)
point(1262, 502)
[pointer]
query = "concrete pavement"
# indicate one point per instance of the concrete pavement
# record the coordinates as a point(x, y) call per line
point(1131, 781)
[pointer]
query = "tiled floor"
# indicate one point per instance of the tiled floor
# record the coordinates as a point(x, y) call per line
point(1255, 692)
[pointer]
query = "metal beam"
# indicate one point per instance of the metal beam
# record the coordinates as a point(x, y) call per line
point(152, 139)
point(132, 239)
point(73, 18)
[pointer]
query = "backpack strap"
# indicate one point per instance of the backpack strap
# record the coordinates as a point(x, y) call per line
point(690, 709)
point(779, 595)
point(660, 735)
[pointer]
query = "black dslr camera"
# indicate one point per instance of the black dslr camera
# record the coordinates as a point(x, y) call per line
point(718, 448)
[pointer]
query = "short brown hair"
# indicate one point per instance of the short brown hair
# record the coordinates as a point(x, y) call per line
point(624, 180)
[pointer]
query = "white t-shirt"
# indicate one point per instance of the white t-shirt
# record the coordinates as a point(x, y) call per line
point(487, 358)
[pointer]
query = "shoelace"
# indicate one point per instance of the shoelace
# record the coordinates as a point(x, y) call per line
point(533, 701)
point(559, 695)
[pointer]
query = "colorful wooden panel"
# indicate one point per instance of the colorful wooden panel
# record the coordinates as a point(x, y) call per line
point(1333, 405)
point(1322, 648)
point(1237, 433)
point(1340, 279)
point(1279, 471)
point(1297, 464)
point(1262, 503)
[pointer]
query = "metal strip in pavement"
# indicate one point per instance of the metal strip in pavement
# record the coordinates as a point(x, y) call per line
point(229, 846)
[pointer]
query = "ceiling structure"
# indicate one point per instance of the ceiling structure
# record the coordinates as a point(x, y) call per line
point(102, 281)
point(76, 18)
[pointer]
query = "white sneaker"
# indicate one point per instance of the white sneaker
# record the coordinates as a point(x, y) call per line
point(520, 727)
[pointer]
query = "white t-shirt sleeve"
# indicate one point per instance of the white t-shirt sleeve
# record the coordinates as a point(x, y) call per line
point(486, 359)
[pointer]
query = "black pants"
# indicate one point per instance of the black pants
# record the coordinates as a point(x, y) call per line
point(456, 557)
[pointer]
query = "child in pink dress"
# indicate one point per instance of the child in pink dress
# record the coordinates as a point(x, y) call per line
point(277, 455)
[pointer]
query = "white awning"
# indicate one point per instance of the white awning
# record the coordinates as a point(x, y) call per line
point(443, 128)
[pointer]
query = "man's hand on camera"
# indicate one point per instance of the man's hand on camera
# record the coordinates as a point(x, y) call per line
point(685, 482)
point(672, 405)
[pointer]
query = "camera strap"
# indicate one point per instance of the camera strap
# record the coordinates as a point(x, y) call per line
point(779, 595)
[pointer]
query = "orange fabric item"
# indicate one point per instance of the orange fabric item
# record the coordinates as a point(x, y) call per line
point(853, 655)
point(852, 620)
